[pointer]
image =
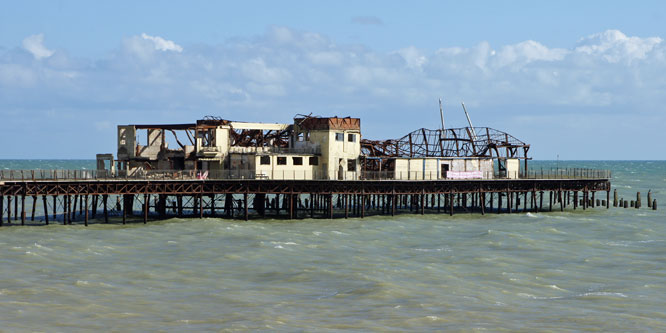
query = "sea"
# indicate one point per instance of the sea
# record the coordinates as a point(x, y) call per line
point(593, 270)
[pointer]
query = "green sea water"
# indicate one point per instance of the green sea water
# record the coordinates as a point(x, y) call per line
point(593, 270)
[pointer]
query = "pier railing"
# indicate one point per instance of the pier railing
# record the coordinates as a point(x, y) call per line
point(551, 173)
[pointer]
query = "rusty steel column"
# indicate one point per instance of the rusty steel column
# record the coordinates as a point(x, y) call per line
point(146, 204)
point(105, 197)
point(482, 202)
point(450, 203)
point(85, 218)
point(23, 209)
point(34, 206)
point(9, 209)
point(46, 211)
point(2, 209)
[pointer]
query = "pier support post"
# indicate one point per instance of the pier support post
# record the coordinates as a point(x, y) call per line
point(212, 205)
point(125, 208)
point(345, 199)
point(105, 198)
point(499, 202)
point(85, 217)
point(94, 206)
point(179, 202)
point(46, 211)
point(9, 209)
point(34, 206)
point(450, 204)
point(291, 205)
point(509, 198)
point(23, 209)
point(422, 202)
point(2, 209)
point(68, 207)
point(575, 204)
point(482, 201)
point(330, 206)
point(638, 200)
point(247, 213)
point(559, 194)
point(76, 197)
point(649, 198)
point(146, 205)
point(654, 204)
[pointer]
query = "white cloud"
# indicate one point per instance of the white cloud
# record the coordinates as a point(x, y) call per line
point(292, 72)
point(162, 44)
point(35, 45)
point(614, 46)
point(413, 57)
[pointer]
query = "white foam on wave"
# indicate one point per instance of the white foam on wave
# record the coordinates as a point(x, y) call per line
point(554, 286)
point(532, 215)
point(603, 293)
point(440, 249)
point(339, 233)
point(43, 247)
point(316, 233)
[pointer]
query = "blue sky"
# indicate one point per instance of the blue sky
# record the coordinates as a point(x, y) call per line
point(582, 80)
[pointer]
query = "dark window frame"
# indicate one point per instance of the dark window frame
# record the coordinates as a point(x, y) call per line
point(315, 159)
point(340, 137)
point(351, 165)
point(281, 160)
point(297, 160)
point(265, 160)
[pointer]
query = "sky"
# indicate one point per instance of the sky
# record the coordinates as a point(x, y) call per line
point(575, 79)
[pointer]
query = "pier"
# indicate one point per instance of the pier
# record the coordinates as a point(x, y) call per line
point(85, 195)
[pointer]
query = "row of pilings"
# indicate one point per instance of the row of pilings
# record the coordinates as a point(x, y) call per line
point(142, 207)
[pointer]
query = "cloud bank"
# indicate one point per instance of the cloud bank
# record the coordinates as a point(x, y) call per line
point(284, 71)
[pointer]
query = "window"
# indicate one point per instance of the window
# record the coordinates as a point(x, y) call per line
point(351, 165)
point(281, 160)
point(351, 137)
point(297, 160)
point(339, 137)
point(314, 160)
point(265, 160)
point(300, 137)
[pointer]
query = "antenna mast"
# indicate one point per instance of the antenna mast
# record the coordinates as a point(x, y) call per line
point(441, 116)
point(469, 121)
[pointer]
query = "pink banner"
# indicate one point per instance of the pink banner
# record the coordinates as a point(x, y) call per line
point(464, 174)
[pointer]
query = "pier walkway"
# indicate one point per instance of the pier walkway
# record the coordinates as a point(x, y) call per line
point(84, 195)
